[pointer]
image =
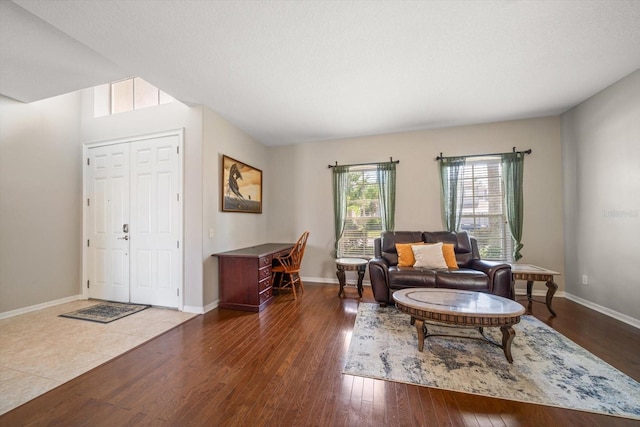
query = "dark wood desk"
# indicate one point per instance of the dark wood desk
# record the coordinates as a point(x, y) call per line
point(244, 276)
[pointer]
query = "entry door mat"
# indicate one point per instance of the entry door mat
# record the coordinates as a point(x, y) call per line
point(106, 312)
point(548, 368)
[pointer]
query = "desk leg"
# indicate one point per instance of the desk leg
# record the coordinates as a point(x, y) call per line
point(420, 330)
point(552, 287)
point(360, 277)
point(341, 279)
point(529, 288)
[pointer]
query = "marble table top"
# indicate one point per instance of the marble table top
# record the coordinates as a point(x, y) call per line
point(351, 261)
point(453, 301)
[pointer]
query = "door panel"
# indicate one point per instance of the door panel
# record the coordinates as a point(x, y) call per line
point(108, 194)
point(137, 183)
point(156, 265)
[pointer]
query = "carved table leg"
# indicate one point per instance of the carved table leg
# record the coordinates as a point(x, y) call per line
point(507, 337)
point(529, 289)
point(420, 330)
point(341, 279)
point(552, 287)
point(360, 277)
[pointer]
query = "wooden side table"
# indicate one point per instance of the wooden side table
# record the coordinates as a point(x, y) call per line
point(350, 264)
point(533, 273)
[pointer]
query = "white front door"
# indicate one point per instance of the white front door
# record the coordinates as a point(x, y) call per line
point(156, 265)
point(134, 221)
point(107, 215)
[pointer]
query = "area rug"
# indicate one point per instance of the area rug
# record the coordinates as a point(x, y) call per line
point(106, 312)
point(547, 369)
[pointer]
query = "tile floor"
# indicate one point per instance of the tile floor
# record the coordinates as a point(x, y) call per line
point(40, 351)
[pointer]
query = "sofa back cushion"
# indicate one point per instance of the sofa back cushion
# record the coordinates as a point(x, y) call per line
point(389, 239)
point(461, 242)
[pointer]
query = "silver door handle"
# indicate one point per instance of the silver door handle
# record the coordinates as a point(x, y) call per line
point(123, 238)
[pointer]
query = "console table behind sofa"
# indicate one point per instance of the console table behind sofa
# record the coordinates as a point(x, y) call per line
point(244, 276)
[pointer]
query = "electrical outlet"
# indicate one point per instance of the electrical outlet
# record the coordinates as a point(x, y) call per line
point(211, 233)
point(585, 279)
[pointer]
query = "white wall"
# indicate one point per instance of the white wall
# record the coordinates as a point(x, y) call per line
point(601, 150)
point(232, 230)
point(40, 201)
point(157, 119)
point(300, 175)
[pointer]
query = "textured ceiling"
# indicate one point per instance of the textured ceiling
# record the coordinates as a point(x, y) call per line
point(297, 71)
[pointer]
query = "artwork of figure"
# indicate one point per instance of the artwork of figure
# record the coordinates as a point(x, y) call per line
point(242, 187)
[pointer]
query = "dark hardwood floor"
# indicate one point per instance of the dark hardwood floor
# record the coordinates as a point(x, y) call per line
point(283, 367)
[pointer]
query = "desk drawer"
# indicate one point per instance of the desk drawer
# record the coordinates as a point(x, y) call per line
point(264, 261)
point(264, 284)
point(264, 273)
point(265, 296)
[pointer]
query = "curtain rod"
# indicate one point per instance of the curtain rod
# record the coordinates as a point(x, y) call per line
point(365, 164)
point(440, 157)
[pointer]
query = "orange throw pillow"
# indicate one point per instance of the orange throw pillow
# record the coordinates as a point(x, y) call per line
point(449, 256)
point(405, 254)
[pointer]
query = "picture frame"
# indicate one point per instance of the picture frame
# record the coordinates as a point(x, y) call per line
point(241, 187)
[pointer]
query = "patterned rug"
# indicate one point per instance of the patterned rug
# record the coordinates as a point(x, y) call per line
point(106, 312)
point(547, 368)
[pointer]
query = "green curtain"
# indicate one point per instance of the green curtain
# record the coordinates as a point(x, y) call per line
point(387, 194)
point(451, 169)
point(340, 187)
point(512, 168)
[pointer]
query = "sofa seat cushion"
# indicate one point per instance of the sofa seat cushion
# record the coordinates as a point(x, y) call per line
point(464, 278)
point(409, 277)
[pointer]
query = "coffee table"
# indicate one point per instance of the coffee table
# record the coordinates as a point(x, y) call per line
point(460, 308)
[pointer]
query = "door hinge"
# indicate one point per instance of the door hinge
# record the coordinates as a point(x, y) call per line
point(178, 292)
point(178, 197)
point(177, 150)
point(88, 161)
point(178, 244)
point(88, 202)
point(88, 242)
point(88, 284)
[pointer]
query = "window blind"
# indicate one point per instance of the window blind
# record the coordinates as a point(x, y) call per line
point(483, 208)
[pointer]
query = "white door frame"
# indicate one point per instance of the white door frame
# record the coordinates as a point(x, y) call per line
point(85, 154)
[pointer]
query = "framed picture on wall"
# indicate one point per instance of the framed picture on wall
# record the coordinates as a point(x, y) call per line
point(241, 187)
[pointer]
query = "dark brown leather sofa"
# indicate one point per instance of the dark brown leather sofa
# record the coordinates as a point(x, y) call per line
point(473, 274)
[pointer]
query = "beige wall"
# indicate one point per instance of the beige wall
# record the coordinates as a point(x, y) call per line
point(40, 201)
point(41, 183)
point(601, 149)
point(301, 177)
point(231, 230)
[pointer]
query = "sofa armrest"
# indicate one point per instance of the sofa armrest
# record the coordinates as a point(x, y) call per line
point(379, 276)
point(500, 279)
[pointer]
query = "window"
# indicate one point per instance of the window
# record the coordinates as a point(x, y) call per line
point(362, 222)
point(483, 208)
point(127, 95)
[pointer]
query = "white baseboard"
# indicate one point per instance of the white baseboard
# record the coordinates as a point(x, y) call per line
point(539, 293)
point(200, 310)
point(192, 309)
point(7, 314)
point(213, 305)
point(604, 310)
point(350, 281)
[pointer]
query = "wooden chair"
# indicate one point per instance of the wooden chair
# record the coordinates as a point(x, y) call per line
point(287, 267)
